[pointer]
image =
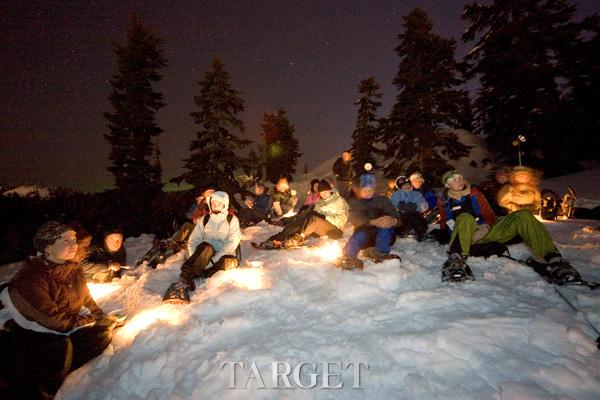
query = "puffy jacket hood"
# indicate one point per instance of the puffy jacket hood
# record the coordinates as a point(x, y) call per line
point(222, 197)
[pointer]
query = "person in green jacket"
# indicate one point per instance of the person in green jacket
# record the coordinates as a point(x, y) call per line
point(327, 218)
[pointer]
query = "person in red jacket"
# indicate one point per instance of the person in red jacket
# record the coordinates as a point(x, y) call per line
point(56, 325)
point(466, 213)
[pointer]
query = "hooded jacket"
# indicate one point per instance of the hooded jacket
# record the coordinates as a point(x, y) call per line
point(46, 297)
point(222, 235)
point(335, 210)
point(401, 197)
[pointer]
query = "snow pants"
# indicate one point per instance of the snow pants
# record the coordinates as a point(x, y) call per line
point(363, 237)
point(519, 223)
point(35, 364)
point(197, 266)
point(184, 232)
point(309, 223)
point(249, 216)
point(280, 209)
point(412, 220)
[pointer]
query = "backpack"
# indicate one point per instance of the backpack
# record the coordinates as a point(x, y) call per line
point(230, 215)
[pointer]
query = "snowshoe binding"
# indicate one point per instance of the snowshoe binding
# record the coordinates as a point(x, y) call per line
point(349, 263)
point(177, 293)
point(268, 245)
point(455, 269)
point(550, 205)
point(160, 251)
point(372, 254)
point(560, 273)
point(567, 203)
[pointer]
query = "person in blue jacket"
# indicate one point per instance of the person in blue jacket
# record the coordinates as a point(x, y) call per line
point(412, 205)
point(257, 208)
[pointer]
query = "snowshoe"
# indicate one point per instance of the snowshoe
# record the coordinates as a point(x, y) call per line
point(372, 254)
point(349, 263)
point(550, 205)
point(567, 203)
point(268, 245)
point(294, 242)
point(177, 293)
point(455, 269)
point(559, 273)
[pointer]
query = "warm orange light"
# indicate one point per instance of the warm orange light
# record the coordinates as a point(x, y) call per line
point(244, 278)
point(330, 252)
point(165, 313)
point(101, 290)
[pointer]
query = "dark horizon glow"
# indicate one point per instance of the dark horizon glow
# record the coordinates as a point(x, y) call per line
point(305, 56)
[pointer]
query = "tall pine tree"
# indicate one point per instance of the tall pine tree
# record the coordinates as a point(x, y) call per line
point(213, 159)
point(367, 130)
point(418, 132)
point(515, 58)
point(132, 122)
point(279, 148)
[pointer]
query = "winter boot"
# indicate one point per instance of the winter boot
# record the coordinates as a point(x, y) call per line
point(177, 293)
point(349, 263)
point(372, 254)
point(563, 272)
point(456, 269)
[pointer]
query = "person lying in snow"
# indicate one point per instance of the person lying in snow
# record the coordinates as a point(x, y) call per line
point(326, 218)
point(412, 205)
point(466, 213)
point(521, 192)
point(56, 326)
point(284, 199)
point(374, 219)
point(105, 259)
point(212, 247)
point(257, 208)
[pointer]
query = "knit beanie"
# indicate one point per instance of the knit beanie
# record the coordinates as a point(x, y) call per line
point(449, 175)
point(324, 185)
point(47, 234)
point(401, 180)
point(367, 181)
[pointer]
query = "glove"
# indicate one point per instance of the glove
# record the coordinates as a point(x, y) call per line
point(111, 320)
point(481, 231)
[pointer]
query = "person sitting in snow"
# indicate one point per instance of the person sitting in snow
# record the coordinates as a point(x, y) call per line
point(105, 259)
point(491, 188)
point(257, 208)
point(327, 218)
point(374, 219)
point(412, 205)
point(313, 195)
point(56, 326)
point(521, 192)
point(212, 247)
point(284, 199)
point(192, 215)
point(418, 183)
point(467, 214)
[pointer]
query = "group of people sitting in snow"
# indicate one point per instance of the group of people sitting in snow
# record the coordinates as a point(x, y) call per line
point(56, 325)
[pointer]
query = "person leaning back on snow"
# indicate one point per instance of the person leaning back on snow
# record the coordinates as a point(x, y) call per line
point(521, 192)
point(56, 325)
point(105, 259)
point(374, 219)
point(412, 205)
point(212, 247)
point(327, 218)
point(284, 199)
point(466, 212)
point(257, 207)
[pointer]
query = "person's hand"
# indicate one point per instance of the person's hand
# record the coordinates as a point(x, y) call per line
point(111, 320)
point(83, 320)
point(481, 231)
point(293, 192)
point(249, 203)
point(384, 222)
point(114, 267)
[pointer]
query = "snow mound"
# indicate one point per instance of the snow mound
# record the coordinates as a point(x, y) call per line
point(507, 335)
point(28, 191)
point(586, 185)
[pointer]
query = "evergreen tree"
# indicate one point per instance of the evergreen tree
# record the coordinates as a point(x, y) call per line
point(367, 130)
point(213, 159)
point(515, 57)
point(132, 123)
point(279, 147)
point(418, 133)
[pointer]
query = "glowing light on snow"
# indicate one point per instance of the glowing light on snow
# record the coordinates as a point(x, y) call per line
point(101, 290)
point(289, 214)
point(244, 278)
point(166, 313)
point(330, 252)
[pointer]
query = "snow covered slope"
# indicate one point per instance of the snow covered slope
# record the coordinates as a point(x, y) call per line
point(508, 335)
point(585, 183)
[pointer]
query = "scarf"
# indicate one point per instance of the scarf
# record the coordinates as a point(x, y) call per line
point(458, 194)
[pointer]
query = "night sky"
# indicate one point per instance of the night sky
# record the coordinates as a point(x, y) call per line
point(305, 56)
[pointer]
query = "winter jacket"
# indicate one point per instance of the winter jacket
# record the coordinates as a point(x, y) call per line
point(363, 211)
point(285, 197)
point(335, 210)
point(474, 204)
point(311, 199)
point(96, 264)
point(429, 196)
point(222, 235)
point(401, 197)
point(343, 171)
point(262, 203)
point(46, 297)
point(515, 197)
point(189, 214)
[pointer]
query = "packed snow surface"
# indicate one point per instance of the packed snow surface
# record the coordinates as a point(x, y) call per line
point(507, 335)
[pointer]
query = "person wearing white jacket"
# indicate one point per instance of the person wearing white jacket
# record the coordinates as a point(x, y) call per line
point(211, 247)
